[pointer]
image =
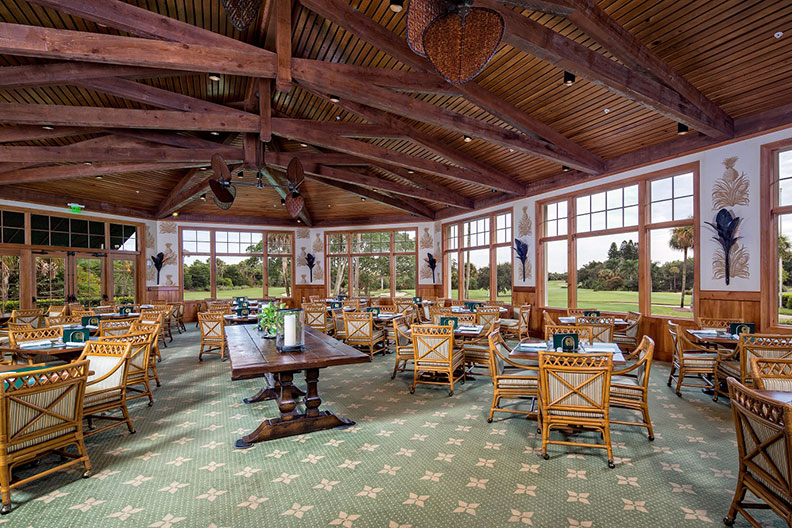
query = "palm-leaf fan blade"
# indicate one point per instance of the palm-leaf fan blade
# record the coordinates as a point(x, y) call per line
point(461, 43)
point(242, 13)
point(421, 13)
point(294, 200)
point(223, 194)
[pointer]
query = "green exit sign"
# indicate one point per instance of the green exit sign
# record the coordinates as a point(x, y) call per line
point(76, 208)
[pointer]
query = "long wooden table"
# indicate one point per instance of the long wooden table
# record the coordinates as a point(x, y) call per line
point(253, 356)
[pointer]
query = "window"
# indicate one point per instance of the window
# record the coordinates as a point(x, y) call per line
point(12, 227)
point(480, 267)
point(123, 280)
point(51, 280)
point(66, 232)
point(123, 237)
point(595, 262)
point(9, 283)
point(372, 263)
point(777, 220)
point(225, 264)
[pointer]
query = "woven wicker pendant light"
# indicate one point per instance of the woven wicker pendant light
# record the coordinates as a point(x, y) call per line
point(242, 13)
point(460, 43)
point(421, 13)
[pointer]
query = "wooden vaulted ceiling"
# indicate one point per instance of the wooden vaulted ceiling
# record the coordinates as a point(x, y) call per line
point(715, 63)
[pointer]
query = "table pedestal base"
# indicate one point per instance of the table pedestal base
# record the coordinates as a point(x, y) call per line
point(270, 391)
point(292, 422)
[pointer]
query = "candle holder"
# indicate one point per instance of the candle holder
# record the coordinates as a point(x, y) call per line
point(290, 333)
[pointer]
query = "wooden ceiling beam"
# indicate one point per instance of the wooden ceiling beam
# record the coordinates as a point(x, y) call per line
point(31, 41)
point(166, 138)
point(283, 43)
point(312, 133)
point(342, 14)
point(282, 159)
point(57, 199)
point(554, 7)
point(64, 172)
point(527, 35)
point(144, 23)
point(113, 153)
point(150, 95)
point(414, 207)
point(597, 24)
point(33, 75)
point(35, 133)
point(46, 114)
point(313, 76)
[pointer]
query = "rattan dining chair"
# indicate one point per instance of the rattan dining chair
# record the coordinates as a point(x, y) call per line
point(154, 356)
point(54, 311)
point(20, 326)
point(82, 313)
point(17, 337)
point(627, 337)
point(772, 374)
point(574, 391)
point(155, 317)
point(139, 363)
point(360, 332)
point(403, 345)
point(764, 446)
point(737, 363)
point(510, 380)
point(213, 338)
point(630, 386)
point(690, 360)
point(106, 389)
point(585, 333)
point(104, 309)
point(518, 327)
point(716, 323)
point(32, 317)
point(601, 327)
point(436, 357)
point(486, 315)
point(547, 319)
point(41, 412)
point(316, 317)
point(114, 327)
point(62, 320)
point(477, 350)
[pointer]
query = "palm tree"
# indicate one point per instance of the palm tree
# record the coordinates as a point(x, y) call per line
point(682, 239)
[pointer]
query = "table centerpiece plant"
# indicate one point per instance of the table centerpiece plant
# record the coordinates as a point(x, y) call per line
point(267, 318)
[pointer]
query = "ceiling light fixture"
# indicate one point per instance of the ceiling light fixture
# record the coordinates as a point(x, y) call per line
point(564, 168)
point(607, 110)
point(334, 99)
point(778, 34)
point(214, 77)
point(410, 171)
point(304, 145)
point(682, 129)
point(203, 197)
point(468, 139)
point(48, 127)
point(214, 133)
point(87, 163)
point(175, 213)
point(362, 198)
point(99, 177)
point(569, 78)
point(396, 6)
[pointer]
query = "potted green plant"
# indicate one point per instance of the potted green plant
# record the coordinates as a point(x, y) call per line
point(267, 322)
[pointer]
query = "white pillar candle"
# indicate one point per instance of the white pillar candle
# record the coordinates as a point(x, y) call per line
point(289, 330)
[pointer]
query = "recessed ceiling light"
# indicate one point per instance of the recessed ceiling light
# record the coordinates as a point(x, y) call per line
point(511, 150)
point(214, 77)
point(299, 221)
point(175, 213)
point(396, 6)
point(214, 133)
point(468, 139)
point(137, 191)
point(569, 78)
point(334, 98)
point(564, 168)
point(99, 177)
point(203, 197)
point(329, 206)
point(47, 127)
point(338, 117)
point(87, 163)
point(303, 144)
point(410, 171)
point(607, 110)
point(778, 34)
point(682, 129)
point(362, 198)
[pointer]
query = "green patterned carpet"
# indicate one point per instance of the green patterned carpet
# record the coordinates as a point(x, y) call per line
point(423, 460)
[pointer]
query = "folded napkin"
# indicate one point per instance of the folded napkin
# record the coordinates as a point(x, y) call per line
point(74, 343)
point(597, 348)
point(35, 344)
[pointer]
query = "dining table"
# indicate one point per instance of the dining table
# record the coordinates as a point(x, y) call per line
point(782, 396)
point(49, 347)
point(529, 351)
point(253, 355)
point(234, 319)
point(714, 337)
point(570, 320)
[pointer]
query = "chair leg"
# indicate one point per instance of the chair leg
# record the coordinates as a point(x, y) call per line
point(495, 402)
point(545, 435)
point(153, 367)
point(647, 420)
point(127, 418)
point(607, 437)
point(671, 375)
point(5, 489)
point(148, 389)
point(415, 380)
point(739, 496)
point(715, 385)
point(680, 377)
point(200, 353)
point(396, 367)
point(84, 453)
point(451, 382)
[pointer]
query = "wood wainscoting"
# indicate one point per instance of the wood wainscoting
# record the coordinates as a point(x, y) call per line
point(745, 305)
point(164, 293)
point(429, 290)
point(301, 291)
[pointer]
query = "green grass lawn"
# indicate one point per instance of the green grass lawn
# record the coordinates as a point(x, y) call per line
point(228, 293)
point(663, 303)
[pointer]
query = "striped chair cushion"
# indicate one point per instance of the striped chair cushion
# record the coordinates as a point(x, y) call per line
point(700, 360)
point(101, 365)
point(509, 323)
point(778, 384)
point(20, 415)
point(457, 361)
point(625, 340)
point(729, 368)
point(775, 450)
point(626, 387)
point(92, 398)
point(378, 334)
point(478, 352)
point(514, 380)
point(592, 390)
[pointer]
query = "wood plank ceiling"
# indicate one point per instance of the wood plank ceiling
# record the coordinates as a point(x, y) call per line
point(727, 51)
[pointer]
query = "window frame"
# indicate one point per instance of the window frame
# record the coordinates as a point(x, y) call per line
point(492, 246)
point(213, 254)
point(770, 211)
point(350, 254)
point(643, 228)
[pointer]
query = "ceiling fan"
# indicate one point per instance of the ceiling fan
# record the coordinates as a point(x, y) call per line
point(224, 191)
